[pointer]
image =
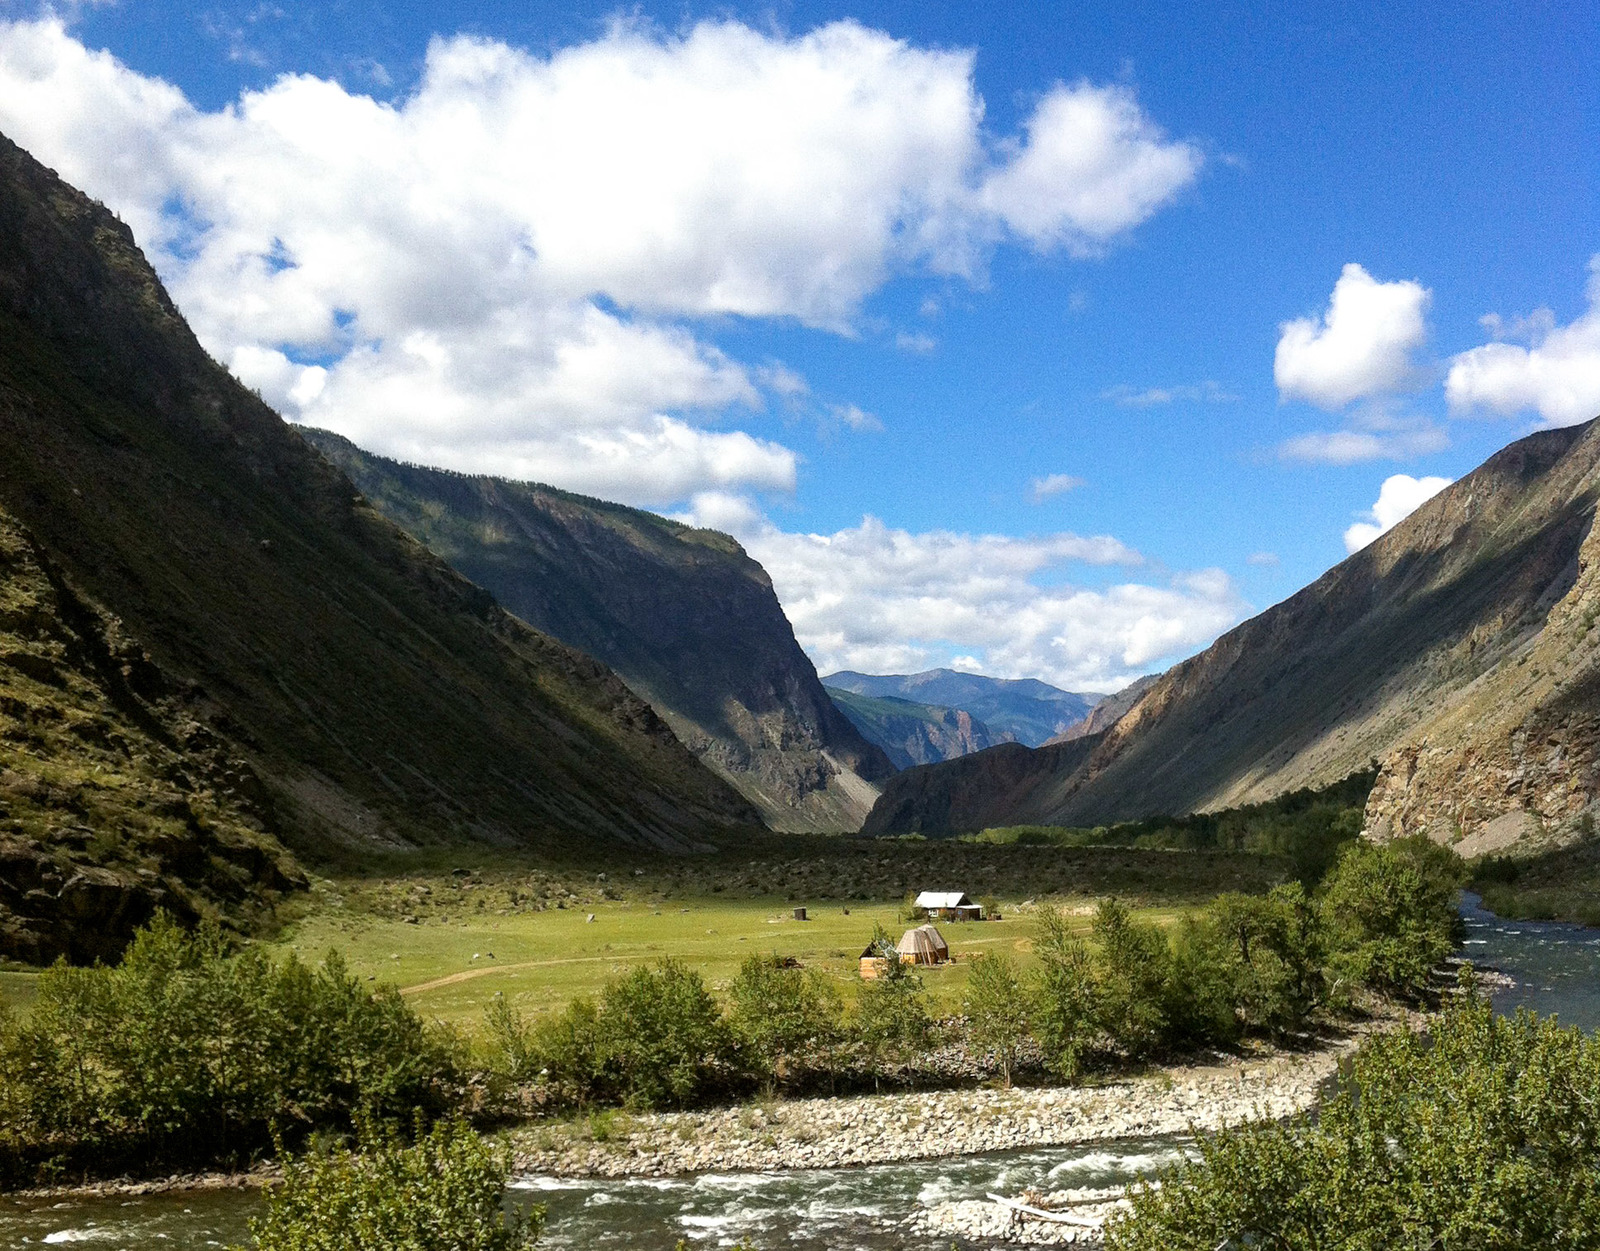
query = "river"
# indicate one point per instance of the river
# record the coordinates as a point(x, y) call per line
point(1556, 968)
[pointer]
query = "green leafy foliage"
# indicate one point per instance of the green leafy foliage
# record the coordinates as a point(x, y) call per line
point(656, 1039)
point(665, 1042)
point(1133, 969)
point(1390, 913)
point(785, 1017)
point(1485, 1133)
point(1066, 996)
point(891, 1014)
point(184, 1054)
point(998, 1009)
point(444, 1193)
point(1263, 955)
point(1244, 964)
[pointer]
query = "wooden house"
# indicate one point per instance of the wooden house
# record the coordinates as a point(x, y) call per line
point(951, 905)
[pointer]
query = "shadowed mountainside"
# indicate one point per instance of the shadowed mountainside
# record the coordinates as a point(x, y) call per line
point(1020, 710)
point(310, 673)
point(1457, 650)
point(911, 733)
point(687, 619)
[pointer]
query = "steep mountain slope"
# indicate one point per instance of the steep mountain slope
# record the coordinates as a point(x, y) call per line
point(1457, 650)
point(1020, 710)
point(913, 734)
point(1109, 710)
point(377, 696)
point(683, 615)
point(113, 801)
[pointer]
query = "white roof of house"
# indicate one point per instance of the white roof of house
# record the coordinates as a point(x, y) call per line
point(943, 899)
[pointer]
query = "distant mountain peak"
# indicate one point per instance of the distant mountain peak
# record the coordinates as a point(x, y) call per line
point(1021, 710)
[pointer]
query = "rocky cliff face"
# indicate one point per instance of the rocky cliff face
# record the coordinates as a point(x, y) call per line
point(114, 799)
point(910, 733)
point(1454, 651)
point(1515, 759)
point(376, 696)
point(684, 615)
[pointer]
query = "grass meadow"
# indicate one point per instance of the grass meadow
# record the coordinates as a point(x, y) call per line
point(453, 931)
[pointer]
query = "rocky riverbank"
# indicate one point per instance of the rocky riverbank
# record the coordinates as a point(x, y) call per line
point(875, 1129)
point(1062, 1218)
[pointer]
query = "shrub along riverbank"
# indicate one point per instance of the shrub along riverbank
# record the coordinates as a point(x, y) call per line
point(1485, 1134)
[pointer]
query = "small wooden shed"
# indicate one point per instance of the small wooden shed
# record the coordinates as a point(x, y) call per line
point(924, 945)
point(949, 905)
point(875, 959)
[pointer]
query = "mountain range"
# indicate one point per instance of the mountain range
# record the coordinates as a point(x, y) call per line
point(911, 733)
point(1458, 652)
point(229, 648)
point(217, 653)
point(1014, 710)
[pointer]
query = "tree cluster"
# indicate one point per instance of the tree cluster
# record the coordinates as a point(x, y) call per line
point(1383, 921)
point(188, 1054)
point(657, 1038)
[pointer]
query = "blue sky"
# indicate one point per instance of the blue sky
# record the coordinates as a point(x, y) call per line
point(1114, 212)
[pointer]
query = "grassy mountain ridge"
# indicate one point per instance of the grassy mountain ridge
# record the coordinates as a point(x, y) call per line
point(1411, 640)
point(380, 698)
point(688, 620)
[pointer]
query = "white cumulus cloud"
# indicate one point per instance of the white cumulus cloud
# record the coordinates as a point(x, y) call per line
point(1398, 497)
point(503, 270)
point(1093, 165)
point(880, 599)
point(1361, 348)
point(1557, 375)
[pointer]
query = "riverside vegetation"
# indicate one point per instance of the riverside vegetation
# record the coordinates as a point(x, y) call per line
point(187, 1053)
point(1485, 1133)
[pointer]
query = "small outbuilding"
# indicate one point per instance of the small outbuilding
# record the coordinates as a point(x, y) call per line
point(924, 945)
point(875, 959)
point(950, 905)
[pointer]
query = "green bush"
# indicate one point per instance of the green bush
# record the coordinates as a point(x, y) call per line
point(664, 1042)
point(1264, 954)
point(1133, 973)
point(891, 1019)
point(1485, 1133)
point(785, 1017)
point(1390, 913)
point(656, 1039)
point(185, 1054)
point(1065, 996)
point(445, 1193)
point(998, 1009)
